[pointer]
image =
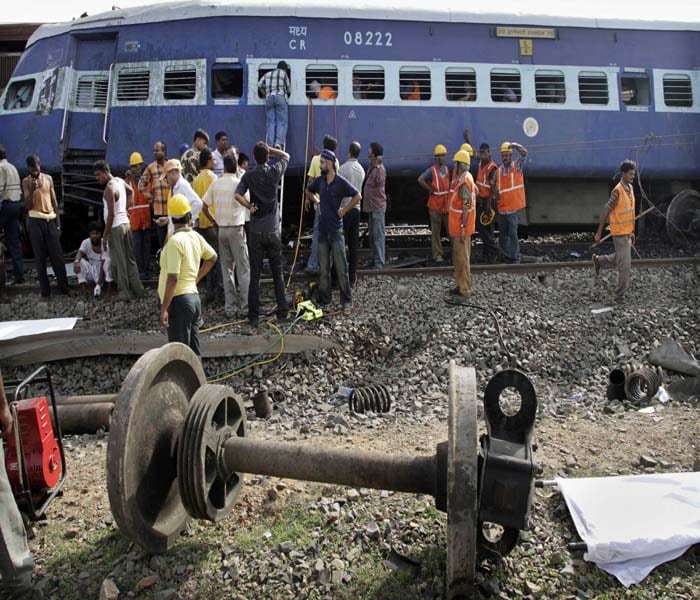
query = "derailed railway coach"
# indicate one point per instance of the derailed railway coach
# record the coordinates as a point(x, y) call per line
point(580, 92)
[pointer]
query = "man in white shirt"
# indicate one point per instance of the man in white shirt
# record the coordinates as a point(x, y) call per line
point(10, 212)
point(230, 218)
point(219, 152)
point(92, 263)
point(352, 171)
point(118, 196)
point(172, 175)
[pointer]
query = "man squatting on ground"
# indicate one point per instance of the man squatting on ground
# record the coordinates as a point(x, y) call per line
point(92, 263)
point(620, 212)
point(180, 272)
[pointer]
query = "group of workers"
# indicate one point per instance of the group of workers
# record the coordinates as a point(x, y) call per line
point(463, 205)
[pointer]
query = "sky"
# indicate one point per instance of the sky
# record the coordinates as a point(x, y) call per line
point(47, 11)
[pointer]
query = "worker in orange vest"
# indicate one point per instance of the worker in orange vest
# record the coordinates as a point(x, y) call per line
point(620, 211)
point(486, 185)
point(139, 216)
point(462, 220)
point(436, 181)
point(511, 199)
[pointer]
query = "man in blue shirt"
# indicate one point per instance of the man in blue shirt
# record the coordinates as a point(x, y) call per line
point(332, 188)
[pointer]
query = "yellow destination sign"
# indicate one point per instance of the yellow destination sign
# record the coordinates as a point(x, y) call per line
point(541, 33)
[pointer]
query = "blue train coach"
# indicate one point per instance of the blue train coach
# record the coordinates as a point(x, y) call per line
point(580, 92)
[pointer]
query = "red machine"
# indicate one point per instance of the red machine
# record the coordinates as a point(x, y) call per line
point(34, 456)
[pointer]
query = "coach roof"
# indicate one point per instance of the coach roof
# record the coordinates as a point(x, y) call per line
point(681, 15)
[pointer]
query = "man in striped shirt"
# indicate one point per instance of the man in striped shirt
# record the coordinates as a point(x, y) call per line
point(275, 85)
point(155, 189)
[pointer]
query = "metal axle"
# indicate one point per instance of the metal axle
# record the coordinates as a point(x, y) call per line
point(378, 470)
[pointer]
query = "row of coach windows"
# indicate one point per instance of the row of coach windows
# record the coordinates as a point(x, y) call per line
point(134, 84)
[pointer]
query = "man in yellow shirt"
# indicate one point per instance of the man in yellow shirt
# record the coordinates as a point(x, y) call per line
point(208, 229)
point(180, 272)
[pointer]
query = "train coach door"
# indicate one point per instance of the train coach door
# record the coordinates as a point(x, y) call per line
point(89, 102)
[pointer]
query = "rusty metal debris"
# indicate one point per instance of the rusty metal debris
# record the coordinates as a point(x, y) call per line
point(375, 398)
point(641, 383)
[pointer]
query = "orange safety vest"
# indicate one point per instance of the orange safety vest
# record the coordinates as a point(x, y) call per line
point(456, 206)
point(622, 216)
point(511, 189)
point(483, 179)
point(437, 200)
point(140, 210)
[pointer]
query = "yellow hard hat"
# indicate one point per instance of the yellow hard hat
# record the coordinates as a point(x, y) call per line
point(462, 156)
point(135, 159)
point(505, 147)
point(178, 206)
point(467, 148)
point(486, 217)
point(439, 150)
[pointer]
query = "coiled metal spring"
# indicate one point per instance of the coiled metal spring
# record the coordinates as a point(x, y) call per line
point(373, 398)
point(642, 383)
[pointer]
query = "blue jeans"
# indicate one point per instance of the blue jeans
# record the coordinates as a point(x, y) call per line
point(508, 236)
point(376, 238)
point(313, 264)
point(333, 243)
point(276, 119)
point(9, 221)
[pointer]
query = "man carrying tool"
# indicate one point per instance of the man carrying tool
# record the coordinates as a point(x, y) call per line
point(16, 564)
point(462, 221)
point(620, 211)
point(180, 272)
point(436, 181)
point(486, 202)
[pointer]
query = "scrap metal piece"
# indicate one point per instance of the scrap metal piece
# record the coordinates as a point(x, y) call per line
point(375, 398)
point(207, 489)
point(141, 453)
point(461, 483)
point(683, 217)
point(84, 418)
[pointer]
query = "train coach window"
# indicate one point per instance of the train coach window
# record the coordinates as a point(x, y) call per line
point(180, 83)
point(460, 84)
point(133, 84)
point(549, 87)
point(677, 90)
point(505, 85)
point(226, 81)
point(91, 91)
point(322, 82)
point(414, 83)
point(635, 90)
point(19, 94)
point(368, 83)
point(593, 88)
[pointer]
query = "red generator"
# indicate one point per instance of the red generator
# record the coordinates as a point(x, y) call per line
point(34, 456)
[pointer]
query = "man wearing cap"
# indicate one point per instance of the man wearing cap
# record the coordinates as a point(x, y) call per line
point(155, 189)
point(10, 211)
point(332, 188)
point(139, 216)
point(265, 235)
point(118, 195)
point(486, 202)
point(436, 181)
point(461, 222)
point(180, 272)
point(511, 199)
point(172, 175)
point(190, 158)
point(276, 88)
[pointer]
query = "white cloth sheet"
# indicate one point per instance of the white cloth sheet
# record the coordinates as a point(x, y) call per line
point(10, 330)
point(631, 524)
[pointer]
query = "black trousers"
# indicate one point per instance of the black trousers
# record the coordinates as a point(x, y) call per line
point(261, 245)
point(351, 230)
point(184, 314)
point(46, 244)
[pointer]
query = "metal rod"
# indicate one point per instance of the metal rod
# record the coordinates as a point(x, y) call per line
point(88, 399)
point(578, 546)
point(84, 418)
point(379, 470)
point(542, 483)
